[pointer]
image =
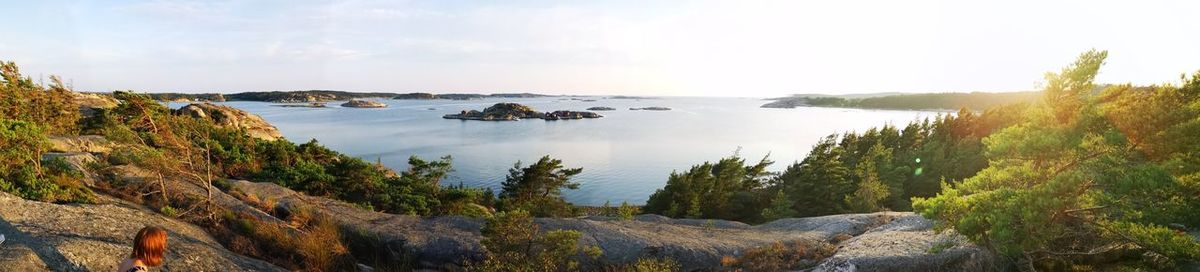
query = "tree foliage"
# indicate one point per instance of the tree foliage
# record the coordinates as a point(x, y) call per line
point(52, 107)
point(24, 173)
point(728, 189)
point(877, 169)
point(538, 188)
point(1090, 177)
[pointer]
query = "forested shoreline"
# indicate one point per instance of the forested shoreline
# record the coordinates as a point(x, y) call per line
point(924, 101)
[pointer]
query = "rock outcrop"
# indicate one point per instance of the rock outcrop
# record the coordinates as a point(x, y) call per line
point(886, 241)
point(226, 116)
point(514, 112)
point(601, 108)
point(90, 102)
point(908, 243)
point(360, 103)
point(84, 143)
point(96, 237)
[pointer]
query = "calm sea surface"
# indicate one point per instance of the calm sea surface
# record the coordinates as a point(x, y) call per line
point(625, 156)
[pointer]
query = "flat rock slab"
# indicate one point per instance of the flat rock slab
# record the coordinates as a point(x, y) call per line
point(96, 237)
point(885, 241)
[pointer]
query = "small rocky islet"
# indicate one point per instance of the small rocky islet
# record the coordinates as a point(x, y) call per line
point(652, 108)
point(601, 108)
point(514, 112)
point(359, 103)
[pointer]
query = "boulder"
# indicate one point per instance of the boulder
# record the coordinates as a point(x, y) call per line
point(226, 116)
point(360, 103)
point(85, 143)
point(96, 237)
point(90, 102)
point(908, 243)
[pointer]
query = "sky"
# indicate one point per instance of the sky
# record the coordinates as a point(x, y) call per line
point(744, 48)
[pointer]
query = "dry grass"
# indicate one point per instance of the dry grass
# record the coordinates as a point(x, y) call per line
point(316, 245)
point(841, 237)
point(781, 256)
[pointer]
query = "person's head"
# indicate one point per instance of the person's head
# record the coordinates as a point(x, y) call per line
point(149, 246)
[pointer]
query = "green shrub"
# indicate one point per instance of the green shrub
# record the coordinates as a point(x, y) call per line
point(512, 242)
point(654, 265)
point(23, 172)
point(626, 211)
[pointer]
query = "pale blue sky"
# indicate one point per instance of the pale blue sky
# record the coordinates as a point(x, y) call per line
point(696, 48)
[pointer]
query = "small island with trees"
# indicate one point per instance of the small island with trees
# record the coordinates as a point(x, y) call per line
point(514, 112)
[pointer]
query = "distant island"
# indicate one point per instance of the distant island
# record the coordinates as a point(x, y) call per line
point(361, 103)
point(303, 105)
point(182, 97)
point(601, 108)
point(429, 96)
point(514, 112)
point(926, 101)
point(631, 97)
point(652, 108)
point(309, 96)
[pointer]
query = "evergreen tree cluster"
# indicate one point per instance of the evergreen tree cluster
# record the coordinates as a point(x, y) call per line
point(878, 169)
point(1089, 179)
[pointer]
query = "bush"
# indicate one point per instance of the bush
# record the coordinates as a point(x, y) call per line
point(654, 265)
point(626, 211)
point(512, 242)
point(314, 245)
point(23, 172)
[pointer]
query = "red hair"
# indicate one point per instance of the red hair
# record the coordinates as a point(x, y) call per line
point(149, 246)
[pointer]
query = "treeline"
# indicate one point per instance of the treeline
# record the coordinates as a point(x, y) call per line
point(974, 100)
point(881, 168)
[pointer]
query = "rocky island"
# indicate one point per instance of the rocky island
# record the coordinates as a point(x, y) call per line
point(514, 112)
point(359, 103)
point(601, 108)
point(652, 108)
